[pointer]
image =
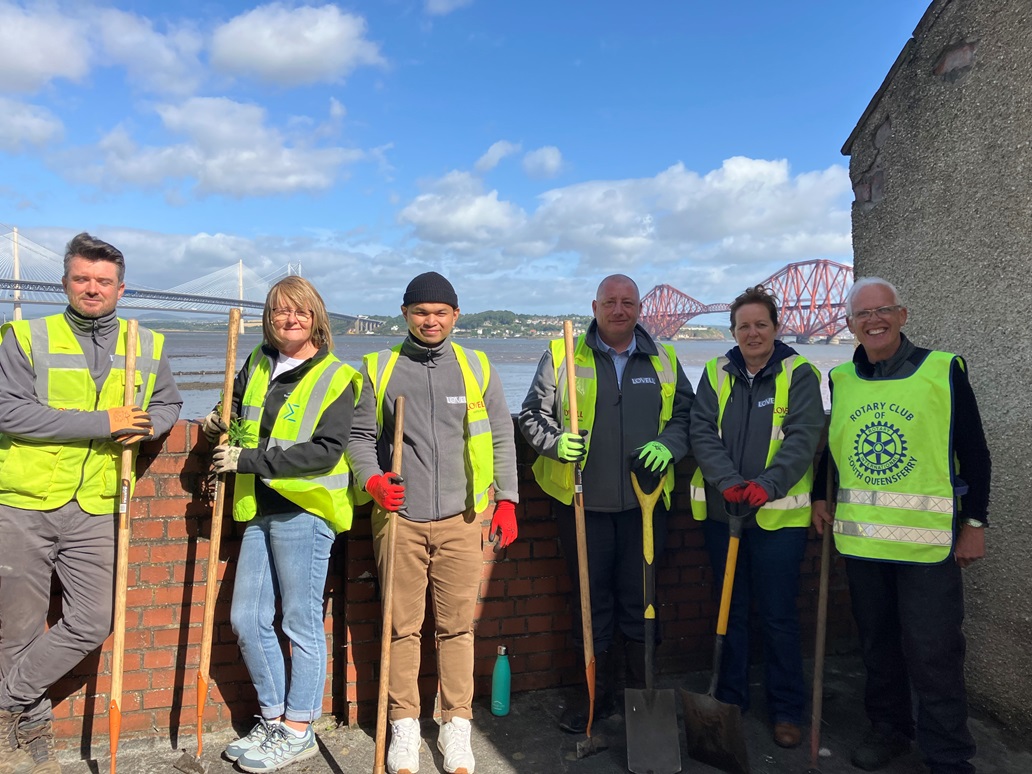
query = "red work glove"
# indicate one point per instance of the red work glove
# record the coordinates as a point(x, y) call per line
point(388, 489)
point(754, 494)
point(503, 523)
point(734, 494)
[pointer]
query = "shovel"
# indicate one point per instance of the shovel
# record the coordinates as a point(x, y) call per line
point(653, 745)
point(713, 728)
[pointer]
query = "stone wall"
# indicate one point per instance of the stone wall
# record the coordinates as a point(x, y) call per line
point(523, 604)
point(941, 165)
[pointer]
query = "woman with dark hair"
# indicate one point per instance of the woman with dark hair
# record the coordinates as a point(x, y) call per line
point(755, 426)
point(295, 401)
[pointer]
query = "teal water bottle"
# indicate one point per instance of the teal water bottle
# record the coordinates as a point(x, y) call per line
point(501, 681)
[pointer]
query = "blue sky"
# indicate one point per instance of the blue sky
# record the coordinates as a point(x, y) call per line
point(524, 149)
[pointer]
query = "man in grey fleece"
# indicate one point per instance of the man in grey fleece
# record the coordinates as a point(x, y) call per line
point(633, 402)
point(458, 443)
point(63, 427)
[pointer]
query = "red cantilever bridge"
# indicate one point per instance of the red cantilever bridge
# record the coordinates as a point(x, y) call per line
point(811, 295)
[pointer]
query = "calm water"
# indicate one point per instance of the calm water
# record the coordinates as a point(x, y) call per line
point(197, 361)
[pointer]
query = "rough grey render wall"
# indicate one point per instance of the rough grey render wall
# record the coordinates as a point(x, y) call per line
point(942, 171)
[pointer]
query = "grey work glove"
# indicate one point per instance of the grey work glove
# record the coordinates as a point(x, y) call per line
point(213, 427)
point(225, 459)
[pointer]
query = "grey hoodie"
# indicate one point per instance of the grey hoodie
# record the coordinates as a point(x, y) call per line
point(22, 415)
point(433, 462)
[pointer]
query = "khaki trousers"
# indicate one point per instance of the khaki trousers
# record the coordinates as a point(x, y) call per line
point(448, 556)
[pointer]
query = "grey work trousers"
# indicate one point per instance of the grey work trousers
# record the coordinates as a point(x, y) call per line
point(34, 545)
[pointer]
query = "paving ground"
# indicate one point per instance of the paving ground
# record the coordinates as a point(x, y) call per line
point(528, 741)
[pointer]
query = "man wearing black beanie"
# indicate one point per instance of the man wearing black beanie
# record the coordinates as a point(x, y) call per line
point(458, 443)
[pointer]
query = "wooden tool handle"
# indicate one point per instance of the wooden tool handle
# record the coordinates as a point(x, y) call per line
point(122, 553)
point(211, 583)
point(387, 628)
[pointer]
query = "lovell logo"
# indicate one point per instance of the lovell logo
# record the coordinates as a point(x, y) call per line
point(765, 402)
point(456, 398)
point(643, 380)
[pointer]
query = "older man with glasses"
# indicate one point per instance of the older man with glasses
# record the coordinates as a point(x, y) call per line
point(913, 492)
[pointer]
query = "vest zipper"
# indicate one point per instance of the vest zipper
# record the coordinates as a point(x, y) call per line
point(434, 456)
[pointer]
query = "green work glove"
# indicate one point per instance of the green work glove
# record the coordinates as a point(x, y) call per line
point(655, 456)
point(571, 446)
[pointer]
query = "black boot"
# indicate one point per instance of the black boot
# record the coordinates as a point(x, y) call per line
point(575, 717)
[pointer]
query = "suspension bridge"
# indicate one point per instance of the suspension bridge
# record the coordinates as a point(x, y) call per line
point(31, 274)
point(811, 296)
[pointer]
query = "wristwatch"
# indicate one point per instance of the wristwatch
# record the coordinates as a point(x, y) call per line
point(974, 523)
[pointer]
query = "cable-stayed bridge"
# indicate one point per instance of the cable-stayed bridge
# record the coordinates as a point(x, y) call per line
point(31, 274)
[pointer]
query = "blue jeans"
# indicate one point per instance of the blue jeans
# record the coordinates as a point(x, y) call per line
point(767, 574)
point(284, 556)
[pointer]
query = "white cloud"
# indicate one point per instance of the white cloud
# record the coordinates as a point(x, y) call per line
point(442, 7)
point(39, 45)
point(543, 163)
point(22, 124)
point(495, 154)
point(166, 63)
point(701, 233)
point(293, 46)
point(230, 150)
point(458, 214)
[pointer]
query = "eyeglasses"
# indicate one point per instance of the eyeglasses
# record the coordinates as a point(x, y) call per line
point(301, 315)
point(881, 312)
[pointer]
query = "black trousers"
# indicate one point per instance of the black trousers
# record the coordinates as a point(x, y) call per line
point(909, 617)
point(615, 570)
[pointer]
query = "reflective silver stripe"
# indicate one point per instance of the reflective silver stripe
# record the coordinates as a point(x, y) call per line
point(698, 493)
point(789, 502)
point(251, 413)
point(669, 374)
point(896, 534)
point(336, 481)
point(777, 433)
point(907, 502)
point(280, 443)
point(479, 427)
point(315, 400)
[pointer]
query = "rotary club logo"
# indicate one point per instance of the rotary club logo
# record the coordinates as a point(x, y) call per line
point(880, 449)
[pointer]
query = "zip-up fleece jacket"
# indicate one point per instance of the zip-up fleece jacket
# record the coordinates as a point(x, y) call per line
point(626, 419)
point(317, 455)
point(23, 416)
point(433, 462)
point(741, 455)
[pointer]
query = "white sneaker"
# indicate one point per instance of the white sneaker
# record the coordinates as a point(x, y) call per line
point(403, 754)
point(454, 743)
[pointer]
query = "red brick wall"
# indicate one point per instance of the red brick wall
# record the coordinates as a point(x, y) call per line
point(523, 604)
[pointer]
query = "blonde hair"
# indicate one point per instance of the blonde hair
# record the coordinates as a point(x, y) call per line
point(301, 294)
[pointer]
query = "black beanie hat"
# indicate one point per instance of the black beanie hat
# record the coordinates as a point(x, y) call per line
point(430, 288)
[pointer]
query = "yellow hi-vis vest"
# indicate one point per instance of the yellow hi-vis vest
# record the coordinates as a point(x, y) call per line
point(556, 478)
point(43, 475)
point(327, 494)
point(476, 373)
point(792, 510)
point(893, 447)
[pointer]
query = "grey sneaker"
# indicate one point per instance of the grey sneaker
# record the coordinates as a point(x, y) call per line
point(38, 740)
point(454, 743)
point(281, 748)
point(252, 739)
